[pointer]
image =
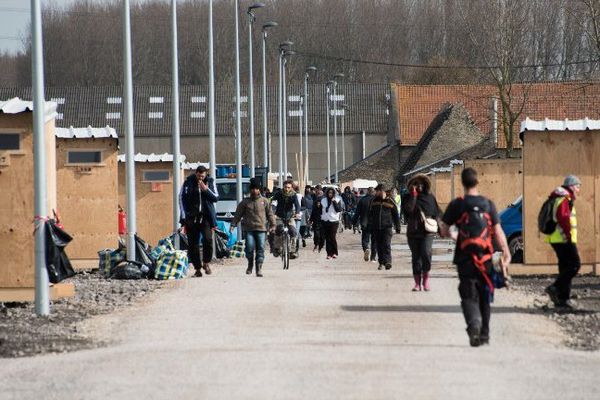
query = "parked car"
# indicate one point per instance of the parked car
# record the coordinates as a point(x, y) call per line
point(511, 220)
point(227, 204)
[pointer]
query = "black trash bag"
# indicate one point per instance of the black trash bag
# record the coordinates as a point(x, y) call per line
point(221, 250)
point(142, 254)
point(128, 270)
point(57, 263)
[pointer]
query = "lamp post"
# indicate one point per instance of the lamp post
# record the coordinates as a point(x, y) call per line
point(327, 91)
point(251, 19)
point(175, 139)
point(266, 158)
point(335, 141)
point(238, 117)
point(305, 114)
point(211, 94)
point(344, 109)
point(283, 47)
point(300, 130)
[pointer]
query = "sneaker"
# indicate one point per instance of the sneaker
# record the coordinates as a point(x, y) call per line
point(334, 256)
point(367, 255)
point(567, 305)
point(329, 257)
point(388, 266)
point(198, 273)
point(207, 269)
point(373, 260)
point(293, 256)
point(484, 341)
point(380, 267)
point(474, 337)
point(552, 292)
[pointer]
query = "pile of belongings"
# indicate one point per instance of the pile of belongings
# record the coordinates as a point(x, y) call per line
point(162, 262)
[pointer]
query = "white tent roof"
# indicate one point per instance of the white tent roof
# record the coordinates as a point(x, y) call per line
point(560, 125)
point(193, 166)
point(139, 157)
point(86, 133)
point(17, 106)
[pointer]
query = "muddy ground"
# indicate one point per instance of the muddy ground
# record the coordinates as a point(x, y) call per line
point(581, 325)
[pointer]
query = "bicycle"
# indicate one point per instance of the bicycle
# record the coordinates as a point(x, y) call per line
point(286, 242)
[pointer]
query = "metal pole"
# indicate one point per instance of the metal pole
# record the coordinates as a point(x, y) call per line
point(300, 118)
point(251, 93)
point(335, 142)
point(285, 148)
point(176, 141)
point(129, 133)
point(280, 114)
point(328, 141)
point(42, 301)
point(211, 94)
point(364, 145)
point(266, 162)
point(343, 140)
point(238, 116)
point(305, 115)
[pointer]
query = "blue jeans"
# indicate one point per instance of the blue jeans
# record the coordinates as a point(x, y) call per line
point(255, 240)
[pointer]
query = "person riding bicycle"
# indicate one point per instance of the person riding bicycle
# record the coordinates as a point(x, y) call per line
point(288, 208)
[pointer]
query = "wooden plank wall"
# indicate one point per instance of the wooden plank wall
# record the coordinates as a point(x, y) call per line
point(548, 157)
point(16, 202)
point(499, 180)
point(456, 188)
point(442, 188)
point(154, 208)
point(87, 201)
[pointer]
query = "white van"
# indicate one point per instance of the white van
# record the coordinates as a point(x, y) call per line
point(227, 189)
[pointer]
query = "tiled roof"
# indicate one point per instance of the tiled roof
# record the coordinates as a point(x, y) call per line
point(101, 106)
point(16, 106)
point(86, 133)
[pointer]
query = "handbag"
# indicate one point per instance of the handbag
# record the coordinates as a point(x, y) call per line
point(431, 224)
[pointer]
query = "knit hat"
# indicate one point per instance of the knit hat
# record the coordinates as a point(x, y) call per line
point(571, 180)
point(381, 187)
point(255, 184)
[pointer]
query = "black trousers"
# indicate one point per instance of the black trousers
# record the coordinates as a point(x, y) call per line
point(318, 236)
point(420, 249)
point(569, 264)
point(383, 241)
point(330, 232)
point(475, 302)
point(194, 229)
point(367, 241)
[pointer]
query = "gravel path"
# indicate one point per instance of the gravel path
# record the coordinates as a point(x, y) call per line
point(322, 330)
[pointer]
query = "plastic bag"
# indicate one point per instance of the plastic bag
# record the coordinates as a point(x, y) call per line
point(128, 270)
point(57, 263)
point(221, 250)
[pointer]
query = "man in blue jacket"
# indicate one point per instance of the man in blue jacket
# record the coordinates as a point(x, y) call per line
point(198, 197)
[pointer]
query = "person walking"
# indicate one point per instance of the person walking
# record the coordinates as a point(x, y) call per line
point(197, 202)
point(331, 209)
point(478, 225)
point(315, 220)
point(564, 241)
point(361, 216)
point(257, 218)
point(383, 216)
point(420, 207)
point(287, 210)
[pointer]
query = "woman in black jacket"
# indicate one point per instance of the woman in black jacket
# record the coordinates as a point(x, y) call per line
point(420, 203)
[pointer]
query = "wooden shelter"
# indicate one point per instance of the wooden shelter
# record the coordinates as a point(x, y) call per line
point(551, 151)
point(154, 194)
point(456, 183)
point(441, 186)
point(17, 272)
point(86, 161)
point(501, 180)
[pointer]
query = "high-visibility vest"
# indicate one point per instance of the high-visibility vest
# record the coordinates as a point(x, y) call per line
point(558, 236)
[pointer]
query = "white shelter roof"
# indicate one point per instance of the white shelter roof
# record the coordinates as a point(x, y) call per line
point(86, 133)
point(139, 157)
point(17, 106)
point(193, 166)
point(442, 169)
point(560, 125)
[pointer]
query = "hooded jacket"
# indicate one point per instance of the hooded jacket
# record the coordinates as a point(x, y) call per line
point(414, 203)
point(195, 203)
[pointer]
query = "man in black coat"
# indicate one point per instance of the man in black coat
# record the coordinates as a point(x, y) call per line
point(198, 215)
point(383, 216)
point(362, 216)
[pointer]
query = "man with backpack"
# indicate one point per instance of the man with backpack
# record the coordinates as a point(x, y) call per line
point(558, 220)
point(478, 225)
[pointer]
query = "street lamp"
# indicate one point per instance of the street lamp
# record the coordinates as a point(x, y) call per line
point(266, 157)
point(251, 19)
point(344, 109)
point(286, 56)
point(238, 117)
point(327, 91)
point(305, 114)
point(335, 142)
point(283, 47)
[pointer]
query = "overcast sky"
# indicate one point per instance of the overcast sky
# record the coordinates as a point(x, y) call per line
point(14, 20)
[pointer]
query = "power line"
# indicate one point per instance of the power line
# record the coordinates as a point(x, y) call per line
point(427, 66)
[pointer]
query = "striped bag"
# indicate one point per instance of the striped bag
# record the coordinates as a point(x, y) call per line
point(239, 249)
point(170, 263)
point(108, 259)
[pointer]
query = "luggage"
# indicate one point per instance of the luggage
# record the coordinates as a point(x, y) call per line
point(239, 249)
point(170, 263)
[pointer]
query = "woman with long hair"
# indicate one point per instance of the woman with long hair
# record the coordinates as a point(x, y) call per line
point(330, 217)
point(422, 212)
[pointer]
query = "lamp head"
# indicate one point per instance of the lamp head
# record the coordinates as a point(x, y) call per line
point(268, 25)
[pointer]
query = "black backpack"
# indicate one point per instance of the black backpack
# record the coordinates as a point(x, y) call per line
point(546, 222)
point(475, 231)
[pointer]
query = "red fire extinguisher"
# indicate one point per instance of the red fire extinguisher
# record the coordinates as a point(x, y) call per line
point(122, 221)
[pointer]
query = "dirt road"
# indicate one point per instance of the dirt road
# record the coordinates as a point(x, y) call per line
point(322, 330)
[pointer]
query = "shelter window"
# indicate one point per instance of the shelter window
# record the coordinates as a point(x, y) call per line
point(157, 176)
point(84, 157)
point(10, 141)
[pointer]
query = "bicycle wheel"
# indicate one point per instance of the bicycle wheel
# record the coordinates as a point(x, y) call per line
point(285, 253)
